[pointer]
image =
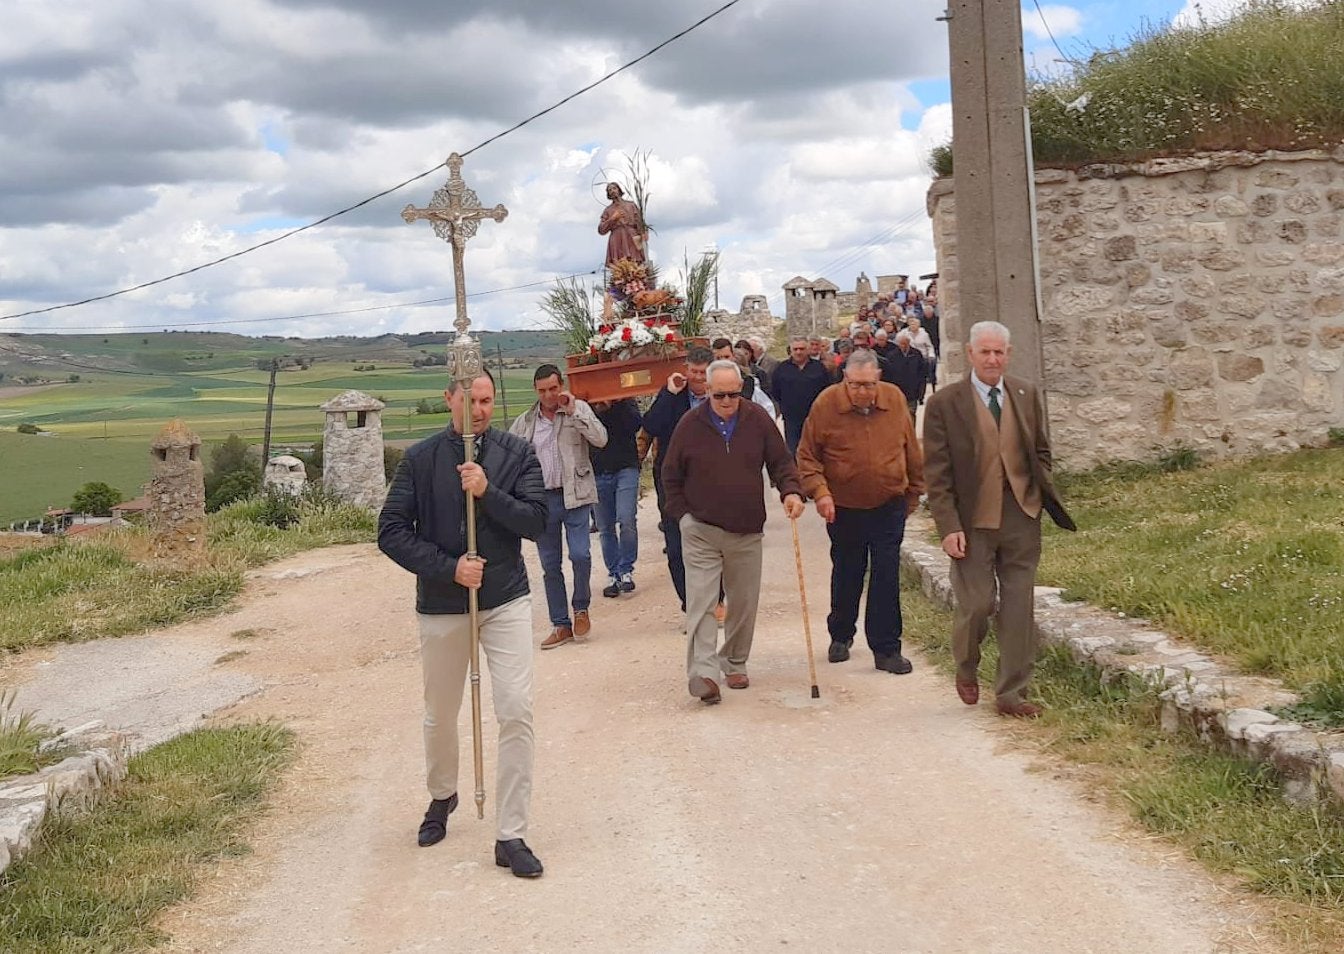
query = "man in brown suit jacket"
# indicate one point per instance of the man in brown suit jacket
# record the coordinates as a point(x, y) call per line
point(987, 463)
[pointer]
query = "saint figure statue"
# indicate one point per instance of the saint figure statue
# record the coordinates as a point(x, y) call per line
point(623, 226)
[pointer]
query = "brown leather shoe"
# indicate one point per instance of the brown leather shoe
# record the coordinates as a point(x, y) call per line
point(705, 689)
point(582, 624)
point(737, 680)
point(968, 692)
point(1019, 710)
point(559, 636)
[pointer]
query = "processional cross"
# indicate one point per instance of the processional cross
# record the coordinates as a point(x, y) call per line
point(456, 212)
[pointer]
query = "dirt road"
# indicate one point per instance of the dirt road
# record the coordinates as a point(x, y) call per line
point(885, 817)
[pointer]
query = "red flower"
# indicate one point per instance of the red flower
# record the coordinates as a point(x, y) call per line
point(625, 334)
point(648, 322)
point(592, 349)
point(605, 329)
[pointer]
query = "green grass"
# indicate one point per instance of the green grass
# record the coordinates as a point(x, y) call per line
point(96, 882)
point(103, 427)
point(1245, 558)
point(21, 738)
point(1271, 77)
point(1227, 812)
point(85, 589)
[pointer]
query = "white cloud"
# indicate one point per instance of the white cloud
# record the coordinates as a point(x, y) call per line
point(1051, 18)
point(143, 141)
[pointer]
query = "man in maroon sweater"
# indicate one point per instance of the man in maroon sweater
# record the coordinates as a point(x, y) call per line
point(712, 479)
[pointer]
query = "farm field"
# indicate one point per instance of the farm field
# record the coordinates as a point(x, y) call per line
point(103, 424)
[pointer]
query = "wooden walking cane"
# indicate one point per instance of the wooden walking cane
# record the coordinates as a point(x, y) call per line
point(807, 618)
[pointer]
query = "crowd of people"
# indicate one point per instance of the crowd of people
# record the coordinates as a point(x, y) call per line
point(848, 443)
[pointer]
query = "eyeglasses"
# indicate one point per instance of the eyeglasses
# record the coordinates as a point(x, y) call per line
point(726, 395)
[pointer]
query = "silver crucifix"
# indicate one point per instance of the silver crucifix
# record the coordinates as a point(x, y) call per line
point(456, 212)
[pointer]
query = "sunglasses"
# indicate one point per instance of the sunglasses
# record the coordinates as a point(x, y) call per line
point(726, 395)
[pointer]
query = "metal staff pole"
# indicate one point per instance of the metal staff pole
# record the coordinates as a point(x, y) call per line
point(473, 608)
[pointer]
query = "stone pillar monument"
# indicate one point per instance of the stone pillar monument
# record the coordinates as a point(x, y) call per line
point(352, 449)
point(286, 474)
point(176, 499)
point(863, 292)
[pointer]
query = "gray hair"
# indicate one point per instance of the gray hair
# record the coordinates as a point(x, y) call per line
point(797, 338)
point(904, 335)
point(881, 334)
point(821, 339)
point(723, 365)
point(987, 328)
point(861, 359)
point(756, 341)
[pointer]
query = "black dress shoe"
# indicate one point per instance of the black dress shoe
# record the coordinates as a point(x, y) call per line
point(435, 825)
point(613, 589)
point(515, 855)
point(894, 663)
point(838, 652)
point(627, 583)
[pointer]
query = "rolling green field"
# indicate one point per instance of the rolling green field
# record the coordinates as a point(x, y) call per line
point(103, 424)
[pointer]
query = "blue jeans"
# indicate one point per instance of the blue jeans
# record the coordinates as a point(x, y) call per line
point(575, 526)
point(867, 543)
point(617, 498)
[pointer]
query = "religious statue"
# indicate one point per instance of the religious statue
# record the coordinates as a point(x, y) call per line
point(624, 227)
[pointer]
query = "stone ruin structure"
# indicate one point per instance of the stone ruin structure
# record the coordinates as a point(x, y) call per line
point(863, 293)
point(889, 285)
point(811, 307)
point(285, 473)
point(176, 499)
point(352, 449)
point(753, 318)
point(1197, 300)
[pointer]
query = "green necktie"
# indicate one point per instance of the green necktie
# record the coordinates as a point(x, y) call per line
point(994, 407)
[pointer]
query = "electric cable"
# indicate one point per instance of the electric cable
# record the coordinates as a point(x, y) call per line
point(386, 192)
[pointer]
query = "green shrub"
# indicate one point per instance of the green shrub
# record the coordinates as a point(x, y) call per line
point(391, 458)
point(27, 428)
point(1177, 458)
point(1335, 437)
point(95, 498)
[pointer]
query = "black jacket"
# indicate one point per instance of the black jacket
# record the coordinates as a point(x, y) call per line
point(423, 525)
point(622, 421)
point(908, 371)
point(794, 389)
point(662, 418)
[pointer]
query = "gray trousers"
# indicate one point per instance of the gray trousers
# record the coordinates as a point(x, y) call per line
point(710, 555)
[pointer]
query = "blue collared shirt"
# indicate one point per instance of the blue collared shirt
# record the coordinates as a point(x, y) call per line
point(982, 389)
point(725, 428)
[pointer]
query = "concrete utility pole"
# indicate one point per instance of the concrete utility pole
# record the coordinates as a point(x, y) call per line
point(996, 236)
point(270, 404)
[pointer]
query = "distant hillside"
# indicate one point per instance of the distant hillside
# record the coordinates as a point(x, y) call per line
point(55, 357)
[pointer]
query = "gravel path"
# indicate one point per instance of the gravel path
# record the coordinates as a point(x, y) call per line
point(885, 817)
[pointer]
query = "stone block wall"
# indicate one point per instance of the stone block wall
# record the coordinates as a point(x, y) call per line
point(1196, 300)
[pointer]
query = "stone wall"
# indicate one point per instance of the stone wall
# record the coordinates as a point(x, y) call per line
point(753, 318)
point(1196, 300)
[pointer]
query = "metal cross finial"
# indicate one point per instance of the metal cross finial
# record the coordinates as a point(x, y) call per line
point(455, 212)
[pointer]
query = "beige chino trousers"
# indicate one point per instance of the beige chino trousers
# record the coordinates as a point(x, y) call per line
point(711, 554)
point(445, 650)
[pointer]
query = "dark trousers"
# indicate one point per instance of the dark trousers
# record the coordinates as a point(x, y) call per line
point(676, 567)
point(867, 542)
point(793, 434)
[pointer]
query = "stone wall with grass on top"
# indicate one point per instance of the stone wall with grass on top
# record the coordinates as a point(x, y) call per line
point(1195, 301)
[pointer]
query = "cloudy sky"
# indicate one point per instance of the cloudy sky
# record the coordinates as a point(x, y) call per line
point(141, 137)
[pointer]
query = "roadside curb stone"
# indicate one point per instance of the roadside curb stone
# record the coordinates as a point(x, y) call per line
point(1223, 707)
point(73, 784)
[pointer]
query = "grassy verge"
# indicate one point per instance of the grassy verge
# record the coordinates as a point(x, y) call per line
point(21, 739)
point(1243, 558)
point(96, 881)
point(1225, 811)
point(1270, 77)
point(88, 589)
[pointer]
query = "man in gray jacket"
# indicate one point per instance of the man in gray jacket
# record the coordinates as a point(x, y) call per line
point(561, 429)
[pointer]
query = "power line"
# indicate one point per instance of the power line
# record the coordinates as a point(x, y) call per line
point(1050, 33)
point(315, 314)
point(386, 192)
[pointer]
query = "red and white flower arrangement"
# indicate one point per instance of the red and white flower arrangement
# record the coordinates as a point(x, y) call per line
point(630, 334)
